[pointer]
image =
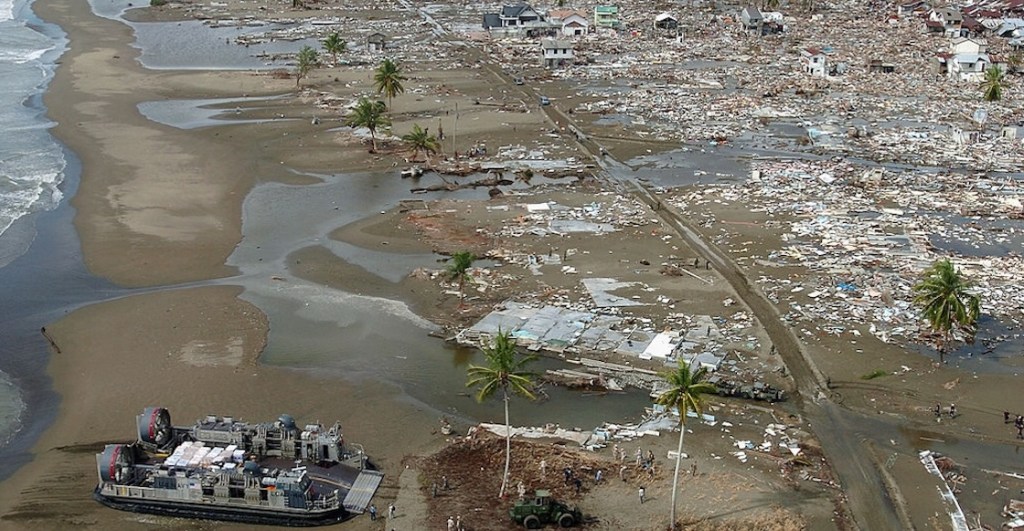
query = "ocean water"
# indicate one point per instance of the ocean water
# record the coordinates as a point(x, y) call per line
point(32, 162)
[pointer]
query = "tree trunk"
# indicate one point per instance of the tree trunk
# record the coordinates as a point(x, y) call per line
point(675, 476)
point(942, 349)
point(373, 142)
point(508, 446)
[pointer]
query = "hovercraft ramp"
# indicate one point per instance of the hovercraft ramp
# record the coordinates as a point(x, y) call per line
point(363, 489)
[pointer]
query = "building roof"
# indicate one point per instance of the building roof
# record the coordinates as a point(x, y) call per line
point(665, 16)
point(514, 11)
point(751, 12)
point(563, 14)
point(811, 51)
point(492, 20)
point(552, 44)
point(949, 14)
point(970, 58)
point(606, 10)
point(933, 24)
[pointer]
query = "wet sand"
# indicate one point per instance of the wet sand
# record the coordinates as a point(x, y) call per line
point(162, 206)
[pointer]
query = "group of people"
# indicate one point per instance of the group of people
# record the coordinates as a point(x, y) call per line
point(373, 512)
point(1018, 422)
point(455, 524)
point(938, 411)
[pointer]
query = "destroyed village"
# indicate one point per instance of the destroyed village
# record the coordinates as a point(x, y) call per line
point(644, 265)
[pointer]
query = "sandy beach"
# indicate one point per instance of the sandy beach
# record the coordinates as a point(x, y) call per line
point(161, 208)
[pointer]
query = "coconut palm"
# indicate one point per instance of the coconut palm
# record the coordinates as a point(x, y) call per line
point(504, 371)
point(371, 115)
point(387, 80)
point(458, 269)
point(947, 303)
point(334, 45)
point(992, 86)
point(308, 59)
point(420, 140)
point(686, 393)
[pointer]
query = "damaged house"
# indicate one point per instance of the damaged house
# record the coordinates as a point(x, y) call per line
point(572, 23)
point(513, 16)
point(815, 62)
point(556, 53)
point(967, 59)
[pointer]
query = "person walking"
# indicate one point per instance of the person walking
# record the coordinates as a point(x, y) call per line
point(952, 410)
point(642, 492)
point(639, 455)
point(597, 476)
point(444, 482)
point(543, 467)
point(391, 512)
point(622, 472)
point(938, 411)
point(578, 484)
point(373, 513)
point(451, 524)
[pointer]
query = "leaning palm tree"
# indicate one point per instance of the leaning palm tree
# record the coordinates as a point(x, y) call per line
point(371, 115)
point(947, 303)
point(334, 45)
point(992, 86)
point(686, 393)
point(459, 270)
point(420, 140)
point(387, 80)
point(308, 59)
point(504, 371)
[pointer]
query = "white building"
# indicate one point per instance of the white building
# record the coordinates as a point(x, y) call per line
point(572, 22)
point(815, 62)
point(556, 52)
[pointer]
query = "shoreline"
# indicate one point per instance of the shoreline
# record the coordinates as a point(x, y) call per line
point(115, 143)
point(172, 202)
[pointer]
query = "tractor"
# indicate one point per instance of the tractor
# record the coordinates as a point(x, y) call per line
point(534, 512)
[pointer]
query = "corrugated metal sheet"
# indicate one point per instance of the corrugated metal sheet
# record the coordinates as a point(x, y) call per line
point(358, 497)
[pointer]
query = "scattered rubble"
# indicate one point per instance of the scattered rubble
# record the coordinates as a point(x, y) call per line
point(864, 235)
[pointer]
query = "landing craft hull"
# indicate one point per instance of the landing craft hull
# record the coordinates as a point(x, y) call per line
point(246, 515)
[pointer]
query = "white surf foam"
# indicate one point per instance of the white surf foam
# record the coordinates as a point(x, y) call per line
point(6, 10)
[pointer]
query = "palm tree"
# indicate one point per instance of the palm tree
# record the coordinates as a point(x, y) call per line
point(992, 86)
point(504, 372)
point(420, 140)
point(369, 114)
point(686, 393)
point(334, 45)
point(459, 270)
point(388, 80)
point(947, 303)
point(308, 59)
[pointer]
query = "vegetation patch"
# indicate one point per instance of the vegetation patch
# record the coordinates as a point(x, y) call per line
point(877, 373)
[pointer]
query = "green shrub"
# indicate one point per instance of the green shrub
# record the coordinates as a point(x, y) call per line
point(157, 3)
point(877, 373)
